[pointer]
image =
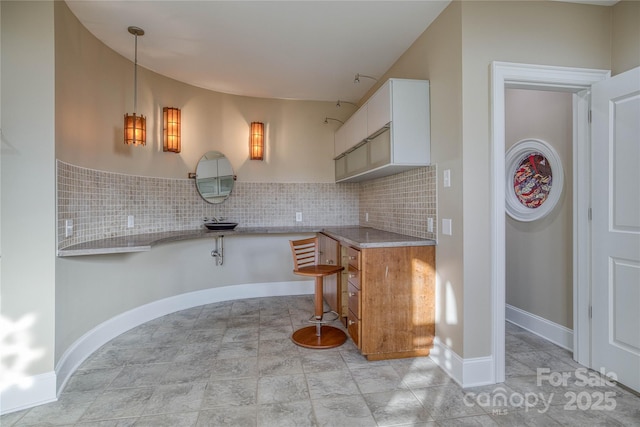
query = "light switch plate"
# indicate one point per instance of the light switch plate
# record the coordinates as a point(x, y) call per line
point(446, 227)
point(298, 216)
point(430, 225)
point(446, 178)
point(68, 228)
point(130, 222)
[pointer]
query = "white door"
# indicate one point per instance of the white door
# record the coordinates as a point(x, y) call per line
point(616, 227)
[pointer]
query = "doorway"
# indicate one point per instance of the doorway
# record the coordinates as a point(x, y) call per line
point(539, 282)
point(577, 82)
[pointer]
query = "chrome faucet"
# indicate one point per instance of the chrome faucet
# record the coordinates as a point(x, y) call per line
point(213, 219)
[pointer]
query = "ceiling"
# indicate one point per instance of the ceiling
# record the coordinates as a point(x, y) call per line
point(308, 50)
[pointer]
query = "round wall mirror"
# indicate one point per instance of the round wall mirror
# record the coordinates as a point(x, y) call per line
point(214, 177)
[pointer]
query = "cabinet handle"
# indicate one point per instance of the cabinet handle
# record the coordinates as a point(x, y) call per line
point(351, 257)
point(351, 322)
point(351, 275)
point(352, 294)
point(330, 261)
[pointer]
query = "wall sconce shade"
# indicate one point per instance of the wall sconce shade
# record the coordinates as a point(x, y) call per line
point(135, 126)
point(256, 141)
point(171, 129)
point(135, 129)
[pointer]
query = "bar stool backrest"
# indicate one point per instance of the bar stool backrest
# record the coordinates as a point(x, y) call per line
point(304, 252)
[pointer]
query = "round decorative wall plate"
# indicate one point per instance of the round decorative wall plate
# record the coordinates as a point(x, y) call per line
point(534, 180)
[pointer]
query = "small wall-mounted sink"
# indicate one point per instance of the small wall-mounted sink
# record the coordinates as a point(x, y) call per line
point(221, 225)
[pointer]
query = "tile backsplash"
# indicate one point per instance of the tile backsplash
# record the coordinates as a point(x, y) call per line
point(99, 204)
point(401, 203)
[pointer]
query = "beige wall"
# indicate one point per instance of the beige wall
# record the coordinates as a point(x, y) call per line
point(28, 185)
point(549, 33)
point(94, 89)
point(437, 56)
point(625, 43)
point(540, 253)
point(455, 54)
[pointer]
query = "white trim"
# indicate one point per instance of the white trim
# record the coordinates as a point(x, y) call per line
point(525, 76)
point(84, 346)
point(472, 372)
point(551, 331)
point(581, 227)
point(41, 390)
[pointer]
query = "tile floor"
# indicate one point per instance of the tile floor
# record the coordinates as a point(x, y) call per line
point(233, 364)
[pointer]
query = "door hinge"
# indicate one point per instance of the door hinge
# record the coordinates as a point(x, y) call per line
point(589, 214)
point(590, 312)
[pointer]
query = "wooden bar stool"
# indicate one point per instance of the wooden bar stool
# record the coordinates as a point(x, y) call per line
point(305, 262)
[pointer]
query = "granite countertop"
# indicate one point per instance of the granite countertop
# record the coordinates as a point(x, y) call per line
point(360, 237)
point(144, 242)
point(367, 237)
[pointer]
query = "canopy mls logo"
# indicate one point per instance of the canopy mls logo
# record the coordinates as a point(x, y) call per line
point(594, 397)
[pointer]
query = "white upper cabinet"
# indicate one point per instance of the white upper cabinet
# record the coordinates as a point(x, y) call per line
point(352, 132)
point(396, 136)
point(379, 108)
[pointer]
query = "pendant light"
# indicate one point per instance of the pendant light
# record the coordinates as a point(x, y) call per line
point(135, 126)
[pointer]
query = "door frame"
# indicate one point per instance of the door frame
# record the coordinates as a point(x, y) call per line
point(578, 81)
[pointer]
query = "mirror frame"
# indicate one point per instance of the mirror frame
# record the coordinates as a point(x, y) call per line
point(206, 178)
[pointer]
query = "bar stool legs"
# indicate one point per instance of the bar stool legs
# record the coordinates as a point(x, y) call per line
point(319, 336)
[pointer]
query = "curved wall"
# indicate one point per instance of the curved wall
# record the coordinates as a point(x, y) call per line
point(93, 91)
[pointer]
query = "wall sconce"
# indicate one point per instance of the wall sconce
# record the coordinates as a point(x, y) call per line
point(256, 141)
point(171, 129)
point(135, 126)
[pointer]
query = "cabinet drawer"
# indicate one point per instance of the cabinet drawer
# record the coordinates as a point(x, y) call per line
point(353, 327)
point(354, 300)
point(353, 276)
point(353, 256)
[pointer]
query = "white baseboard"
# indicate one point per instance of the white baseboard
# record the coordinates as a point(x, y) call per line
point(36, 390)
point(470, 372)
point(82, 348)
point(544, 328)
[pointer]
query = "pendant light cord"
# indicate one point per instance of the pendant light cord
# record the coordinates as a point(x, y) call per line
point(135, 77)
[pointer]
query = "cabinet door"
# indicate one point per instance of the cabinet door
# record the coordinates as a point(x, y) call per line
point(380, 150)
point(357, 160)
point(328, 250)
point(379, 108)
point(356, 128)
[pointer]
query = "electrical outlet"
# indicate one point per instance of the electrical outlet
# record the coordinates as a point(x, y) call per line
point(68, 228)
point(130, 222)
point(430, 225)
point(366, 217)
point(298, 216)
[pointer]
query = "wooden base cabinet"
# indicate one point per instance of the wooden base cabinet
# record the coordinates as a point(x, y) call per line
point(391, 300)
